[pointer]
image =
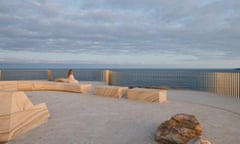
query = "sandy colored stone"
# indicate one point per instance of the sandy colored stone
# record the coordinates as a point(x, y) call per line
point(111, 91)
point(148, 95)
point(18, 115)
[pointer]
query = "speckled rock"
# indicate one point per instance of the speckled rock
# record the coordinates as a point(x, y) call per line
point(180, 129)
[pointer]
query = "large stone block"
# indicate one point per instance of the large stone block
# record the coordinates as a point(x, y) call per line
point(18, 115)
point(111, 91)
point(149, 95)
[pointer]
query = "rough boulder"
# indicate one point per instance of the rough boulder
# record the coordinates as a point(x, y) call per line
point(179, 129)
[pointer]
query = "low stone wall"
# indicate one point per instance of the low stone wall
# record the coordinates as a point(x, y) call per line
point(44, 85)
point(140, 94)
point(149, 95)
point(111, 91)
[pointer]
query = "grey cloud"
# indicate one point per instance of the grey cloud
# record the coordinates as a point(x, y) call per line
point(47, 8)
point(126, 27)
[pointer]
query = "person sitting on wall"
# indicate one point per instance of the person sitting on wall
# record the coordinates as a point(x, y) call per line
point(70, 78)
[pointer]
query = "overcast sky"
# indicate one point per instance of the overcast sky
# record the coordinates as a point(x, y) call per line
point(144, 33)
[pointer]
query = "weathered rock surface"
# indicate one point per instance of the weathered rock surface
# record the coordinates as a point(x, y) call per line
point(180, 129)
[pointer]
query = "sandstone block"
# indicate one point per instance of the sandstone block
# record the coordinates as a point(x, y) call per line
point(149, 95)
point(111, 91)
point(18, 115)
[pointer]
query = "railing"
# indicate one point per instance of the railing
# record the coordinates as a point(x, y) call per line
point(82, 75)
point(220, 82)
point(223, 83)
point(24, 74)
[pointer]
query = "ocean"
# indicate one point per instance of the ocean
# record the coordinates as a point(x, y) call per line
point(196, 79)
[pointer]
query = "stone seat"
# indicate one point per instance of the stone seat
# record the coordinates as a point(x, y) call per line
point(149, 95)
point(18, 115)
point(44, 85)
point(111, 91)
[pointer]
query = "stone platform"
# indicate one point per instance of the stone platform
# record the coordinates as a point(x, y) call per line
point(111, 91)
point(149, 95)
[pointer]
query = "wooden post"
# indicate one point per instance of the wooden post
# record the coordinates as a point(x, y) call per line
point(238, 85)
point(49, 75)
point(108, 77)
point(0, 75)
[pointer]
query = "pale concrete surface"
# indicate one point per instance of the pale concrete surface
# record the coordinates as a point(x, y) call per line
point(228, 103)
point(88, 119)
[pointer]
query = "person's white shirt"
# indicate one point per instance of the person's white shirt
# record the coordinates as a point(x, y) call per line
point(71, 79)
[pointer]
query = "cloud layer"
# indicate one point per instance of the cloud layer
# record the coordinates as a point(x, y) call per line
point(161, 32)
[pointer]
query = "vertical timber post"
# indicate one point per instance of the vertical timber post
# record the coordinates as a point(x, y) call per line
point(108, 77)
point(49, 75)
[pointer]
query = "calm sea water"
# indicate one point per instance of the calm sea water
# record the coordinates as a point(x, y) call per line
point(184, 78)
point(176, 78)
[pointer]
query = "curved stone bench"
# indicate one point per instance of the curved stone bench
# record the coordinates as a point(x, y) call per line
point(44, 85)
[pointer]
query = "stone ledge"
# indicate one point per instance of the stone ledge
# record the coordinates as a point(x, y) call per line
point(18, 115)
point(111, 91)
point(149, 95)
point(44, 85)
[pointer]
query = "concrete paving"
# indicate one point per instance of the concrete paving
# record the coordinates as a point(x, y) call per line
point(88, 119)
point(228, 103)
